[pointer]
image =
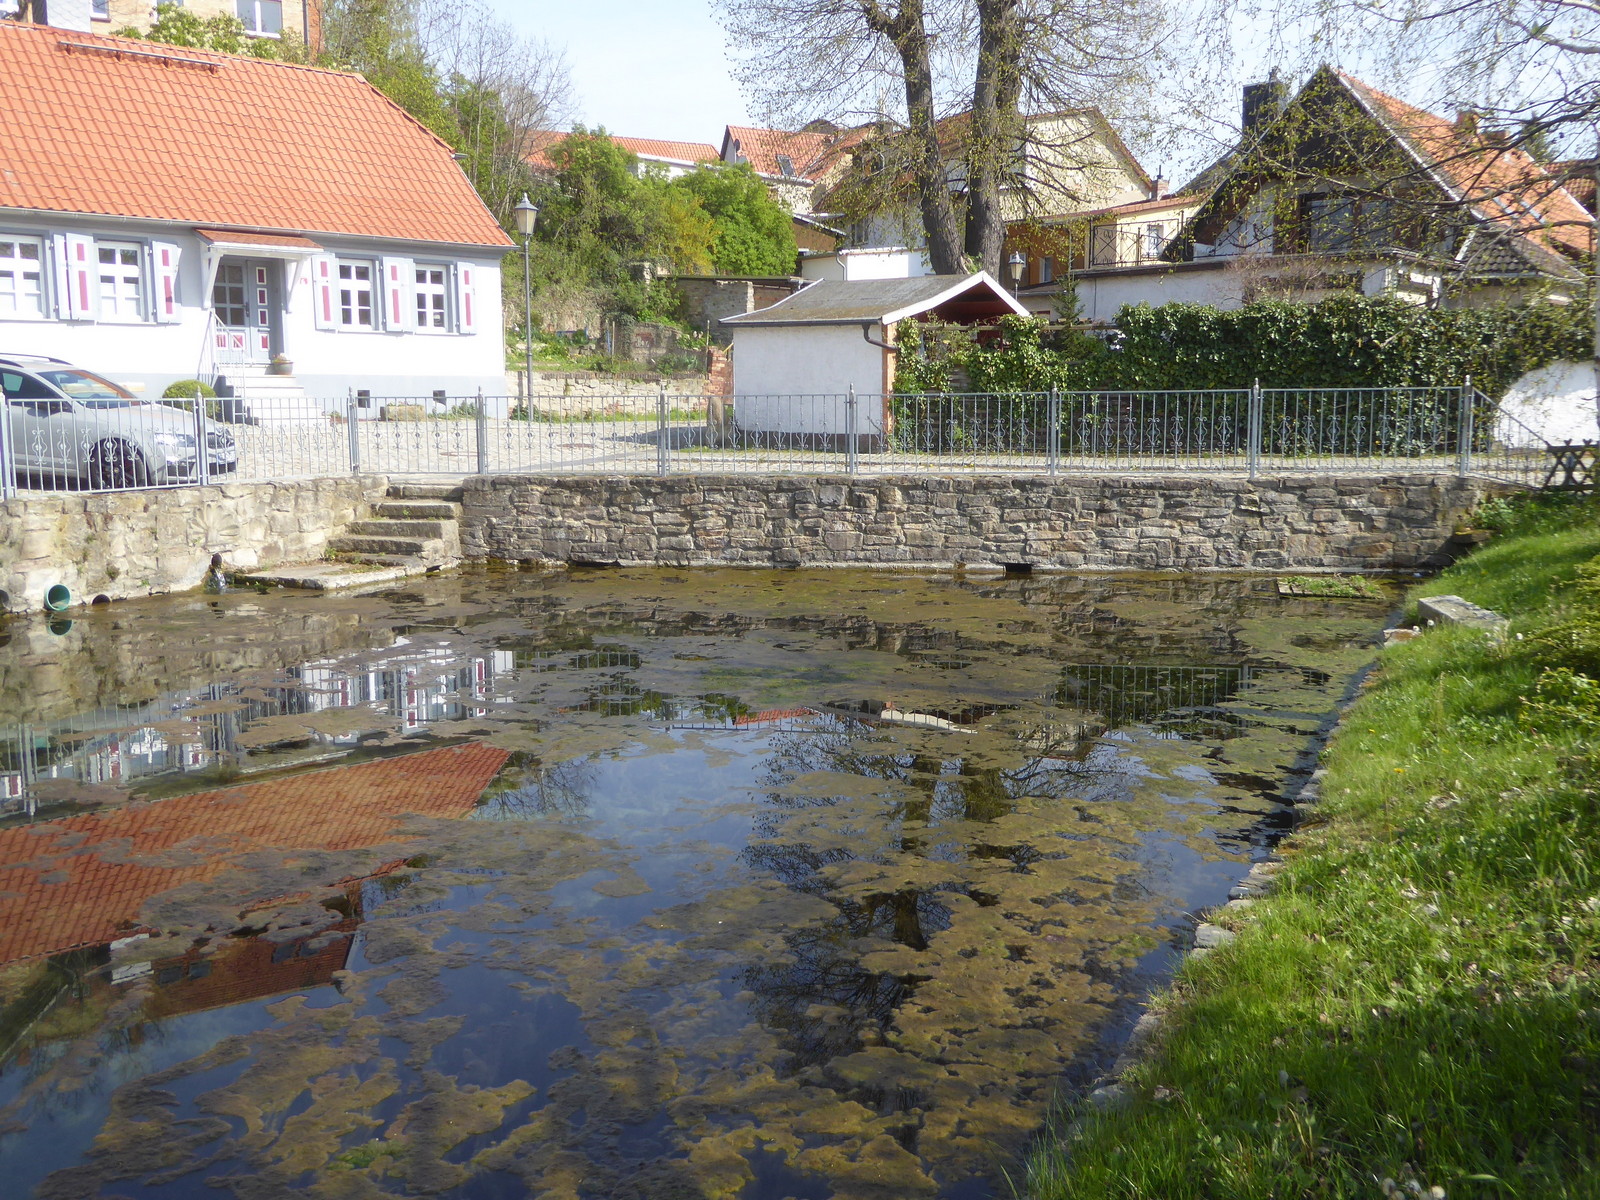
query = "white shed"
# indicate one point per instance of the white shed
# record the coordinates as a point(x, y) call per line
point(795, 364)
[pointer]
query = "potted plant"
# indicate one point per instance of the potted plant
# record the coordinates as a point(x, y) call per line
point(280, 365)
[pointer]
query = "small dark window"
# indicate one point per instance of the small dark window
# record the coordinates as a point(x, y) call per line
point(786, 166)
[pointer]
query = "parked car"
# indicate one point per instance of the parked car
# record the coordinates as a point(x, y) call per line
point(71, 425)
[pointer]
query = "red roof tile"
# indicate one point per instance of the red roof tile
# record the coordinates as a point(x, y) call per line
point(1503, 184)
point(681, 152)
point(116, 127)
point(81, 881)
point(230, 237)
point(809, 153)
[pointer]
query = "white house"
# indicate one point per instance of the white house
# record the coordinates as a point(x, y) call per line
point(796, 363)
point(169, 213)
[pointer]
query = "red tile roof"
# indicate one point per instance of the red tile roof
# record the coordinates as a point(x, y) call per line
point(231, 237)
point(809, 153)
point(678, 152)
point(116, 127)
point(1504, 185)
point(81, 881)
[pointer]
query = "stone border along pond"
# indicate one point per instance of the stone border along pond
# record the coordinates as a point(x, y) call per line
point(1158, 522)
point(114, 546)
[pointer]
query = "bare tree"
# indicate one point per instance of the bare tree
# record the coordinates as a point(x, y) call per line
point(967, 72)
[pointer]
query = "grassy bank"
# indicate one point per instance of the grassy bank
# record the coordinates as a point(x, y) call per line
point(1417, 1007)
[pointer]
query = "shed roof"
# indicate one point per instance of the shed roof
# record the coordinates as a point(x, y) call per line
point(884, 301)
point(123, 128)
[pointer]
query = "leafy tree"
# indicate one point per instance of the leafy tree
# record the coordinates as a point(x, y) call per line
point(177, 26)
point(754, 234)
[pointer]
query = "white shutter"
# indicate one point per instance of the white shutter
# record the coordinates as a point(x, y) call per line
point(466, 275)
point(164, 272)
point(323, 301)
point(82, 290)
point(398, 305)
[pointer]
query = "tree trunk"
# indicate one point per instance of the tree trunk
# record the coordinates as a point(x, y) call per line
point(994, 141)
point(908, 33)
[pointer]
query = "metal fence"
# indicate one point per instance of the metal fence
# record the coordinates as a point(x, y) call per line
point(104, 445)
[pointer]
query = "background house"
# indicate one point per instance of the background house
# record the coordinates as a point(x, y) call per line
point(169, 213)
point(261, 18)
point(671, 158)
point(1345, 188)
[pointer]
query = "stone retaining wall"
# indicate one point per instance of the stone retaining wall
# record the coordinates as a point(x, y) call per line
point(140, 543)
point(1190, 523)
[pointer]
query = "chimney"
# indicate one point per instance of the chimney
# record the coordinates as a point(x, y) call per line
point(1158, 187)
point(1263, 102)
point(1467, 124)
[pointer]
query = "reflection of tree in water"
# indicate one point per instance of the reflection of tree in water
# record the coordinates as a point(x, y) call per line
point(529, 787)
point(821, 997)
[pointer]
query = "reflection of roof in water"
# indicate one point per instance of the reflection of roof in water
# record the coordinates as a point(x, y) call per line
point(80, 881)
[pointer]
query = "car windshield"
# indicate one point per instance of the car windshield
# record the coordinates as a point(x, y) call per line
point(90, 389)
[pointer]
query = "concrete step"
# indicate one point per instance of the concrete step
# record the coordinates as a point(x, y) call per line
point(425, 491)
point(417, 510)
point(372, 544)
point(328, 576)
point(405, 529)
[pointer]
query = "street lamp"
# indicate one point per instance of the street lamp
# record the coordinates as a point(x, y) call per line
point(1014, 266)
point(527, 215)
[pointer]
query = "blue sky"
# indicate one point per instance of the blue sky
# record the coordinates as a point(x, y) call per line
point(642, 68)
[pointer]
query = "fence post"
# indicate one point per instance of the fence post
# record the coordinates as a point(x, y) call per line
point(202, 452)
point(350, 429)
point(1464, 430)
point(850, 448)
point(481, 420)
point(8, 461)
point(1053, 417)
point(661, 427)
point(1254, 429)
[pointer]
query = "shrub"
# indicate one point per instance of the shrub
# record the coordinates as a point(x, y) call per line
point(185, 389)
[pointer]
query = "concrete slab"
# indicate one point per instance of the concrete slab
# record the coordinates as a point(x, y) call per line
point(1453, 610)
point(331, 575)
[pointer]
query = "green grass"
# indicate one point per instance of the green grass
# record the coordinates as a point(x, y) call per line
point(1337, 586)
point(1420, 999)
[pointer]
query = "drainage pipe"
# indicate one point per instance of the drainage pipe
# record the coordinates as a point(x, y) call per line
point(57, 598)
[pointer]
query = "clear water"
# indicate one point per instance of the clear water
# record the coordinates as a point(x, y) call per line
point(789, 885)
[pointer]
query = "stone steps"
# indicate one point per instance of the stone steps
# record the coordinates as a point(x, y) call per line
point(425, 491)
point(386, 526)
point(399, 546)
point(416, 510)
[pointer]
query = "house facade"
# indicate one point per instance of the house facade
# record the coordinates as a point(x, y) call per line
point(169, 213)
point(260, 18)
point(668, 157)
point(1341, 189)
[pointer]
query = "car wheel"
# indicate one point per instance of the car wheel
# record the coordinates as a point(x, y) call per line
point(114, 464)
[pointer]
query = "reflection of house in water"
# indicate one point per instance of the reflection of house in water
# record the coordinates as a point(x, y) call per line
point(412, 685)
point(83, 880)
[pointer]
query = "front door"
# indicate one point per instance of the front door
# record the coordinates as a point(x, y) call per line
point(244, 302)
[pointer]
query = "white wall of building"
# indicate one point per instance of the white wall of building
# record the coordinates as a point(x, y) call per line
point(795, 378)
point(142, 350)
point(892, 263)
point(1100, 299)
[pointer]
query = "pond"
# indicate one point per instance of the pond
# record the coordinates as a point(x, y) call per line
point(628, 883)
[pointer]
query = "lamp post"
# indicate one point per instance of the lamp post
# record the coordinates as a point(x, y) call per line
point(1014, 267)
point(527, 215)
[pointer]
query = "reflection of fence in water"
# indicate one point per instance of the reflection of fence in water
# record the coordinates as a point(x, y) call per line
point(1117, 695)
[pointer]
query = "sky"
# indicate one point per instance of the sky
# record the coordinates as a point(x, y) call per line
point(641, 68)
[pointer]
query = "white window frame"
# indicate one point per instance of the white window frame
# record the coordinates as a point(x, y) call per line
point(41, 267)
point(100, 10)
point(442, 291)
point(1155, 239)
point(252, 22)
point(353, 306)
point(111, 309)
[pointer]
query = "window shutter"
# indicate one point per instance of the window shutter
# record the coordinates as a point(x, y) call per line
point(164, 271)
point(322, 299)
point(466, 298)
point(398, 278)
point(82, 290)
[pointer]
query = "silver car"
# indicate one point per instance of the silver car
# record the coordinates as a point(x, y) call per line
point(69, 425)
